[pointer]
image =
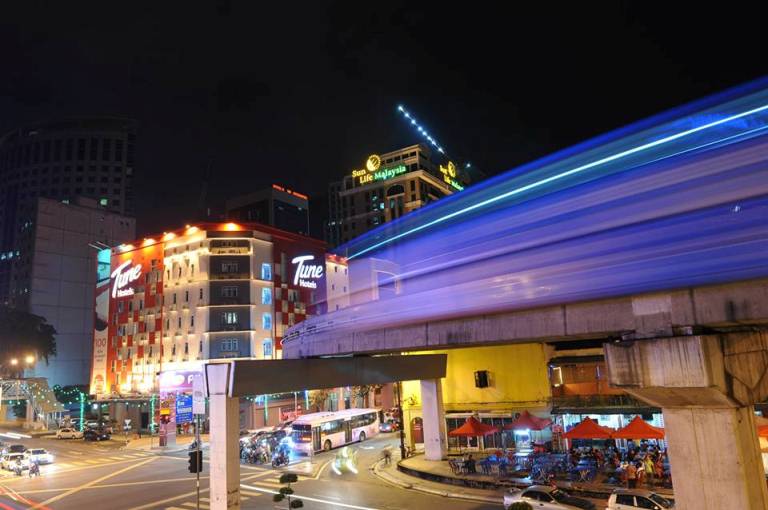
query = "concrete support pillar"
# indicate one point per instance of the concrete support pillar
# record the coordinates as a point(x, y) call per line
point(224, 450)
point(715, 457)
point(433, 416)
point(705, 386)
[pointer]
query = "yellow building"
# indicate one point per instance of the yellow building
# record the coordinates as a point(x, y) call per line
point(495, 382)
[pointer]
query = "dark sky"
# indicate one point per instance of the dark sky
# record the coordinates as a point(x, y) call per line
point(300, 94)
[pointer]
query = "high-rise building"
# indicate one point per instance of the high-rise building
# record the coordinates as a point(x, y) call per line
point(209, 291)
point(56, 277)
point(387, 187)
point(277, 206)
point(62, 160)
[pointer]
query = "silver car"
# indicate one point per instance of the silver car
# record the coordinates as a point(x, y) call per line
point(630, 499)
point(546, 498)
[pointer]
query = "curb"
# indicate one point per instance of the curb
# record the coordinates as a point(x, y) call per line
point(375, 469)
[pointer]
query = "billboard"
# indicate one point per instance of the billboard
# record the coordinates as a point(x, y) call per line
point(101, 324)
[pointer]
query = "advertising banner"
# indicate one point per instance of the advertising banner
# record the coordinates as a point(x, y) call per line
point(100, 325)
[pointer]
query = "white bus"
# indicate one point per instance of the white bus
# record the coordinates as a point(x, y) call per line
point(323, 431)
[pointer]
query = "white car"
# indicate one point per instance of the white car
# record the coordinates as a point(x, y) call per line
point(546, 498)
point(9, 460)
point(630, 499)
point(38, 455)
point(68, 433)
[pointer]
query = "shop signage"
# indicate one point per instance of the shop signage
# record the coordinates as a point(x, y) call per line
point(123, 278)
point(177, 380)
point(449, 175)
point(306, 275)
point(373, 171)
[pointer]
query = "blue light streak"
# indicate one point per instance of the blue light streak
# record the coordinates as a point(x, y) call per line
point(578, 169)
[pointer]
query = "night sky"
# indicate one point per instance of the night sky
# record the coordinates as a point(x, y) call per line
point(300, 94)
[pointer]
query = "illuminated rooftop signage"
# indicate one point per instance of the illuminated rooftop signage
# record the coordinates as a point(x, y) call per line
point(373, 171)
point(123, 278)
point(306, 275)
point(290, 192)
point(449, 175)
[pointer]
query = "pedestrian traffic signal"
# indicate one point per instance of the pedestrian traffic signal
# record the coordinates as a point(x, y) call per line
point(196, 462)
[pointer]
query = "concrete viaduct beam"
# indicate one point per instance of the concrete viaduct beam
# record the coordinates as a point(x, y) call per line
point(647, 315)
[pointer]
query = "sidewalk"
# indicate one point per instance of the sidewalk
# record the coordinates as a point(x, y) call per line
point(152, 443)
point(416, 468)
point(390, 474)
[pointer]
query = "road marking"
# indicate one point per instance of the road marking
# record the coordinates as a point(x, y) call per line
point(309, 498)
point(93, 461)
point(112, 485)
point(168, 500)
point(251, 493)
point(194, 505)
point(91, 483)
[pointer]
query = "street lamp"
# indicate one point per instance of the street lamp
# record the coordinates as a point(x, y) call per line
point(29, 359)
point(14, 361)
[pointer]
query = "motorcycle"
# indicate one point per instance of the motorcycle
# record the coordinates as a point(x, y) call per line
point(18, 469)
point(280, 458)
point(34, 469)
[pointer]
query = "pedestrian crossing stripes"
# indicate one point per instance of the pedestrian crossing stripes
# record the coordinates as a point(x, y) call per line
point(99, 460)
point(205, 502)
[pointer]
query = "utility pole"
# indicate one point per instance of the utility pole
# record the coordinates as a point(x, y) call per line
point(402, 418)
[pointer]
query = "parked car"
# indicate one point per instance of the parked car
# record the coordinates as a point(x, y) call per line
point(96, 435)
point(68, 433)
point(14, 448)
point(39, 455)
point(630, 499)
point(546, 498)
point(9, 460)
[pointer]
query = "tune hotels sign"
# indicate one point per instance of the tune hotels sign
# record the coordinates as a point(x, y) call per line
point(122, 277)
point(306, 274)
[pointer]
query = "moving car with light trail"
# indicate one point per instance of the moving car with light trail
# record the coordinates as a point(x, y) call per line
point(9, 461)
point(546, 498)
point(38, 455)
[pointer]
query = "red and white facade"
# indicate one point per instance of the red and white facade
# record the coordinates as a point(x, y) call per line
point(206, 292)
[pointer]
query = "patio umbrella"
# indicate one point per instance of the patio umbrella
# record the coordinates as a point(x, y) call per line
point(527, 421)
point(762, 426)
point(473, 428)
point(639, 429)
point(589, 429)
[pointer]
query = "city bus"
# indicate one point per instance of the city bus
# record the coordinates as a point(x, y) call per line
point(326, 430)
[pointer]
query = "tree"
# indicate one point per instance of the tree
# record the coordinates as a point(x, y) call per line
point(22, 334)
point(286, 492)
point(317, 399)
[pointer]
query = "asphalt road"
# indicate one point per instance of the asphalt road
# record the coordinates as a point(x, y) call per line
point(103, 475)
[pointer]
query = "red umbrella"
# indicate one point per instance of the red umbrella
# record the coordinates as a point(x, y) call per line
point(473, 428)
point(589, 429)
point(639, 429)
point(527, 421)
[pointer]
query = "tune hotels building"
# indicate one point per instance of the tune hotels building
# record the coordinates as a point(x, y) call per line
point(210, 291)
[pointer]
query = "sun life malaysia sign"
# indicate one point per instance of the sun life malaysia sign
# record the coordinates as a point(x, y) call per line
point(122, 278)
point(306, 275)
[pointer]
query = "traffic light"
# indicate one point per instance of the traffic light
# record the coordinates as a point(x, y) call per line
point(196, 461)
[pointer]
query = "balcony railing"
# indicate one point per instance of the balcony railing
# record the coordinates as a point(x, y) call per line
point(592, 402)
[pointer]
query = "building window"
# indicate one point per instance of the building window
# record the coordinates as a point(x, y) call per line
point(229, 292)
point(179, 326)
point(266, 346)
point(229, 267)
point(230, 345)
point(192, 321)
point(201, 294)
point(266, 321)
point(266, 296)
point(174, 298)
point(229, 317)
point(186, 295)
point(266, 271)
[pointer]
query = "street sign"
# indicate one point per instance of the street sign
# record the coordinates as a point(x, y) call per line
point(198, 394)
point(183, 408)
